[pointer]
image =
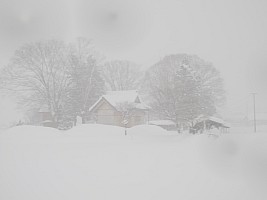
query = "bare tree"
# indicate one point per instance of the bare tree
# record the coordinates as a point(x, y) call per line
point(87, 83)
point(121, 75)
point(183, 87)
point(38, 75)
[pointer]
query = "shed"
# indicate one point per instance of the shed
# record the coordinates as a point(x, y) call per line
point(209, 122)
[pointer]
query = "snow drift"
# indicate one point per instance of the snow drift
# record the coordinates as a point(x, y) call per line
point(100, 162)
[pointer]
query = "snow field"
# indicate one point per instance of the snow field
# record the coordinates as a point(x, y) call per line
point(100, 162)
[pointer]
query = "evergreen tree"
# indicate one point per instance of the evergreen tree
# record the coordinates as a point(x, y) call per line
point(183, 87)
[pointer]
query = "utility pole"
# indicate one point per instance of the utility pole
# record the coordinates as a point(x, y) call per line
point(254, 106)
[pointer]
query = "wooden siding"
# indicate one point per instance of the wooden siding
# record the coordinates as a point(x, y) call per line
point(107, 114)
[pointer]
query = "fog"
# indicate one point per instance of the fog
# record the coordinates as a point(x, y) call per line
point(230, 34)
point(63, 135)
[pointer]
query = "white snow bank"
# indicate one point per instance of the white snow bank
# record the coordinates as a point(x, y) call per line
point(96, 130)
point(27, 132)
point(80, 164)
point(147, 130)
point(96, 133)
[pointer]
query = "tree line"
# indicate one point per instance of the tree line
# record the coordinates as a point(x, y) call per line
point(69, 78)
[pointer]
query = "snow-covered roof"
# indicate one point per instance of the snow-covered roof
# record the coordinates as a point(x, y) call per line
point(162, 122)
point(212, 118)
point(215, 119)
point(117, 98)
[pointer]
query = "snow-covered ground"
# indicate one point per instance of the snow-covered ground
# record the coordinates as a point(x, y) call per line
point(100, 162)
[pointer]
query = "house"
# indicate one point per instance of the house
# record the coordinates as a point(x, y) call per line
point(120, 108)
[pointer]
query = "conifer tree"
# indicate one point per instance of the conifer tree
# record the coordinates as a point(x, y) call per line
point(183, 87)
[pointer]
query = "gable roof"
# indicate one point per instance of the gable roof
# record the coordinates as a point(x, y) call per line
point(116, 98)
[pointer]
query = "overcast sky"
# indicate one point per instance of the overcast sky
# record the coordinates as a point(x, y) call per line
point(229, 33)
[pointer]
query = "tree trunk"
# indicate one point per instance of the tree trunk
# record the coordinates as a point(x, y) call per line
point(83, 119)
